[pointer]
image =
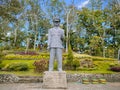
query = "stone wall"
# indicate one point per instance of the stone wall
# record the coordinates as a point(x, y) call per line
point(8, 78)
point(79, 77)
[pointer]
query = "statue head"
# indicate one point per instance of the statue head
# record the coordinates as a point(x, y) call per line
point(56, 21)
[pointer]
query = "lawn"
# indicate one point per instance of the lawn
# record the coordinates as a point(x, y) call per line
point(101, 65)
point(30, 72)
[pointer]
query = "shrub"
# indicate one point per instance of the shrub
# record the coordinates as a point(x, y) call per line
point(16, 67)
point(65, 55)
point(70, 54)
point(68, 64)
point(1, 55)
point(86, 69)
point(24, 57)
point(75, 64)
point(81, 56)
point(1, 65)
point(88, 63)
point(102, 59)
point(41, 65)
point(27, 53)
point(115, 68)
point(114, 64)
point(101, 65)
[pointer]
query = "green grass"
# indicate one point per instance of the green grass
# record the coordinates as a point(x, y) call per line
point(102, 68)
point(28, 62)
point(91, 72)
point(22, 73)
point(32, 73)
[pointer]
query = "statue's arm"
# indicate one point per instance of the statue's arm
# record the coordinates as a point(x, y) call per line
point(49, 38)
point(63, 35)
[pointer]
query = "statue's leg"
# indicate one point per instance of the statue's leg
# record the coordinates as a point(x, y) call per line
point(51, 61)
point(59, 58)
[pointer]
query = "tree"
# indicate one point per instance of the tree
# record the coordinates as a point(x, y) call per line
point(8, 11)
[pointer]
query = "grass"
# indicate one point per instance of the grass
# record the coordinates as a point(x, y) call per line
point(22, 73)
point(102, 68)
point(91, 72)
point(28, 62)
point(32, 73)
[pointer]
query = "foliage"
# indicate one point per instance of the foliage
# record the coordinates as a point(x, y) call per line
point(16, 67)
point(41, 65)
point(23, 57)
point(70, 54)
point(86, 63)
point(90, 30)
point(102, 65)
point(81, 56)
point(115, 68)
point(75, 64)
point(1, 65)
point(28, 62)
point(70, 57)
point(95, 44)
point(102, 59)
point(27, 53)
point(1, 55)
point(87, 69)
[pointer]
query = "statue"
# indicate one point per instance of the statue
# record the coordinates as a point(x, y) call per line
point(55, 40)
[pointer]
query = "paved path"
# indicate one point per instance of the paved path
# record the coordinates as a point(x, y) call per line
point(71, 86)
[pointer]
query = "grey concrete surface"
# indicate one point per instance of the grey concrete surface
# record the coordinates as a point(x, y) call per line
point(71, 86)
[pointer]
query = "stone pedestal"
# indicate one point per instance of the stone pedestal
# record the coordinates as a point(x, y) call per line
point(54, 80)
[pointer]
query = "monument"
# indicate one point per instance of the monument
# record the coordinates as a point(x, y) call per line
point(55, 79)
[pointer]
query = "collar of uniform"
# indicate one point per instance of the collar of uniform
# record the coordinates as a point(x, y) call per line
point(56, 27)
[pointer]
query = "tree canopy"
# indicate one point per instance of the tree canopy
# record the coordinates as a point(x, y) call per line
point(94, 29)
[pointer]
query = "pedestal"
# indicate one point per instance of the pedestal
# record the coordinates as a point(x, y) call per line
point(54, 80)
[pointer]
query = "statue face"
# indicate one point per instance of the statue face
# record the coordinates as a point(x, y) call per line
point(56, 23)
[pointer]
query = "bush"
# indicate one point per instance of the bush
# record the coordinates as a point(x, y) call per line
point(114, 64)
point(87, 63)
point(86, 69)
point(41, 65)
point(27, 53)
point(70, 54)
point(82, 56)
point(75, 64)
point(1, 65)
point(1, 55)
point(102, 59)
point(115, 68)
point(16, 67)
point(68, 64)
point(24, 57)
point(101, 65)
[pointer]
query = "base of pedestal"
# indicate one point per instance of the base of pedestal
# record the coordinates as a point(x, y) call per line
point(54, 80)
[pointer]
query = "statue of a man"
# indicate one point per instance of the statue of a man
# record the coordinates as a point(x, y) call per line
point(55, 40)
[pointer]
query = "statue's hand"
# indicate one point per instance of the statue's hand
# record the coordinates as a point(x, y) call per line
point(48, 48)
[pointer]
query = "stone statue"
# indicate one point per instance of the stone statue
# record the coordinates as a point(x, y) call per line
point(55, 40)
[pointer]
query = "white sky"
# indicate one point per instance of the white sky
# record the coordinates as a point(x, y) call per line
point(83, 3)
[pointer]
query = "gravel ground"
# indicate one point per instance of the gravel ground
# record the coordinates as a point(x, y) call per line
point(71, 86)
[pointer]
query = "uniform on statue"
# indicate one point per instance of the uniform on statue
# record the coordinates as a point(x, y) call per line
point(55, 44)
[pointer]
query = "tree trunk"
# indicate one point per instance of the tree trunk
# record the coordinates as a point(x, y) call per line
point(15, 38)
point(35, 41)
point(27, 46)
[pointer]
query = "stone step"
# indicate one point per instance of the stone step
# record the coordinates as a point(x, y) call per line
point(29, 79)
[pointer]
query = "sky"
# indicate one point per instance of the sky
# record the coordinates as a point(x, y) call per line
point(83, 3)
